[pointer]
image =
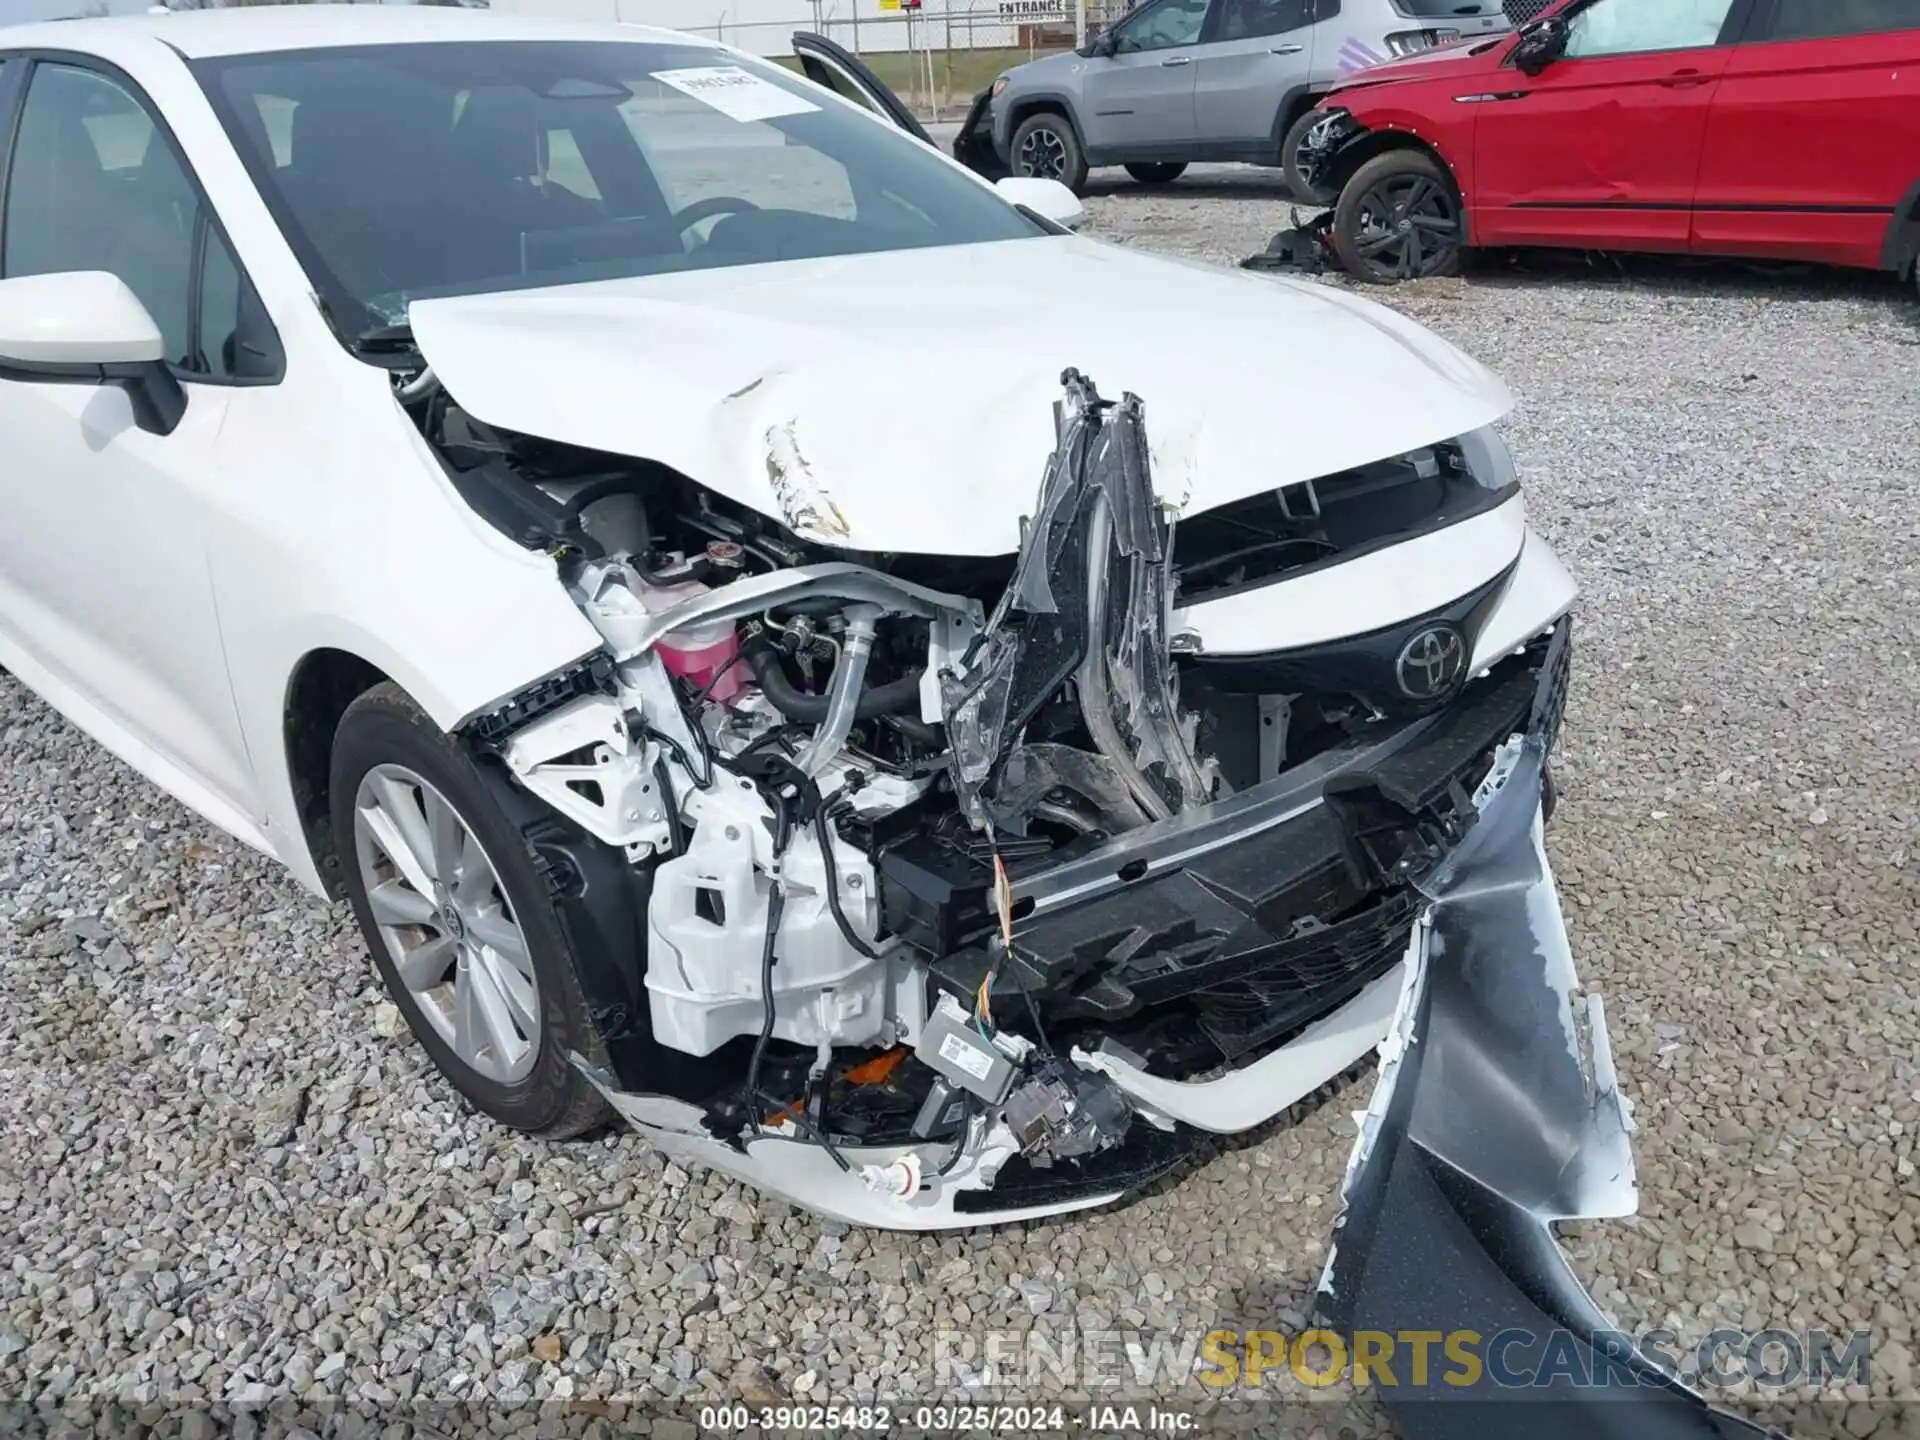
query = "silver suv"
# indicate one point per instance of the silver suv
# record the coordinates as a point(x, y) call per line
point(1179, 81)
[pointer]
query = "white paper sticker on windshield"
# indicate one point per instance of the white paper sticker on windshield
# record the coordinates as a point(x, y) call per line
point(735, 93)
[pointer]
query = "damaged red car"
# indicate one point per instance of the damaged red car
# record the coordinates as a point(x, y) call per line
point(1779, 129)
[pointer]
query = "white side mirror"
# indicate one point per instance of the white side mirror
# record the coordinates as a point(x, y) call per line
point(85, 327)
point(1044, 197)
point(79, 317)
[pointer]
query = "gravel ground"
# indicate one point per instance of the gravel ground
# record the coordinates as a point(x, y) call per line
point(223, 1175)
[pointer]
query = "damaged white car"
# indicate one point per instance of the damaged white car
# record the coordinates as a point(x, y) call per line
point(921, 710)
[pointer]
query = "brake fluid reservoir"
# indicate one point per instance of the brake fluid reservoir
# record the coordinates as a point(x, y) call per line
point(702, 655)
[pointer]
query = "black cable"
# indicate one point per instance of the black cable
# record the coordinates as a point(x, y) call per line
point(676, 833)
point(776, 902)
point(700, 695)
point(823, 828)
point(674, 748)
point(952, 1161)
point(1033, 1010)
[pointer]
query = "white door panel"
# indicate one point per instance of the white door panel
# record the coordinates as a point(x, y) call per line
point(106, 579)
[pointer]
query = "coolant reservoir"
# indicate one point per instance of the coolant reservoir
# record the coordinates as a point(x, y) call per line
point(702, 655)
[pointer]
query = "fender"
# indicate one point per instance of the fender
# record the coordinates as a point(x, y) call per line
point(1355, 143)
point(1291, 109)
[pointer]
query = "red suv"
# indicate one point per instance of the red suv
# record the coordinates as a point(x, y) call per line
point(1788, 129)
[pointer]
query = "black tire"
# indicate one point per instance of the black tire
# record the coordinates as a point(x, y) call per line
point(1290, 161)
point(1045, 146)
point(1159, 173)
point(552, 1100)
point(1398, 218)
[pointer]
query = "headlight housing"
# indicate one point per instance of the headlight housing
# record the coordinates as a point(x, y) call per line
point(1485, 458)
point(999, 87)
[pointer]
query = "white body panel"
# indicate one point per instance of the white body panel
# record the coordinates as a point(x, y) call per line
point(1370, 592)
point(917, 386)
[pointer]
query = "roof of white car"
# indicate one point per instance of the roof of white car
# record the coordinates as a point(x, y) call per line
point(251, 29)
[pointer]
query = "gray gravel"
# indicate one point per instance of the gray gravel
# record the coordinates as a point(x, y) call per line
point(223, 1174)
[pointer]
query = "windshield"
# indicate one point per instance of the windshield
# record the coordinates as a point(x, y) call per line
point(405, 171)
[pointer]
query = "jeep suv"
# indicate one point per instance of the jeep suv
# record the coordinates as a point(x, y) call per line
point(1179, 81)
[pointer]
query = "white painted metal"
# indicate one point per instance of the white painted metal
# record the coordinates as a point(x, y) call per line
point(83, 317)
point(1249, 383)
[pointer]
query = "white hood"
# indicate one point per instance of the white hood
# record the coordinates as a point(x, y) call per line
point(904, 401)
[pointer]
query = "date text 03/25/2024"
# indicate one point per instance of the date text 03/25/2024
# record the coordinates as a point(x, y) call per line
point(946, 1419)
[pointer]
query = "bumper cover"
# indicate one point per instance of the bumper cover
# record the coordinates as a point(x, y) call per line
point(1497, 1114)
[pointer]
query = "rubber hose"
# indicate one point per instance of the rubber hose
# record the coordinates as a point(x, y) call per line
point(791, 702)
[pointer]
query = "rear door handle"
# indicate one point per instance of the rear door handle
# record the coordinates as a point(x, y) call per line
point(1285, 49)
point(1684, 79)
point(1179, 60)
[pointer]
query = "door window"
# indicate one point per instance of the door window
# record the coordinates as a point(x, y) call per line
point(1161, 26)
point(1247, 19)
point(1825, 19)
point(1633, 27)
point(95, 185)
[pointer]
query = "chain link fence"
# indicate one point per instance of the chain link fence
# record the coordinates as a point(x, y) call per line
point(1521, 11)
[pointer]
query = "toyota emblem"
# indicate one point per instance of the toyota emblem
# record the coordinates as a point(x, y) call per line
point(1431, 663)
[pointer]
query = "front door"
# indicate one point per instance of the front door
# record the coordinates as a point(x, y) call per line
point(104, 585)
point(838, 69)
point(1603, 147)
point(1255, 55)
point(1814, 140)
point(1139, 99)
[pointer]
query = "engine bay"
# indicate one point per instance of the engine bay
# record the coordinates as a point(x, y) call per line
point(850, 792)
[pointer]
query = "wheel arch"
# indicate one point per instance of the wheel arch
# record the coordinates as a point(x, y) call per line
point(1027, 106)
point(1295, 103)
point(323, 683)
point(1371, 144)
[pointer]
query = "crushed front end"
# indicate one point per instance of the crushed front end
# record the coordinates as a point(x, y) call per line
point(929, 891)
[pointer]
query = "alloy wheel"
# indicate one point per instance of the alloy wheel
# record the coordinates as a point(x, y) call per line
point(1043, 154)
point(1409, 227)
point(447, 923)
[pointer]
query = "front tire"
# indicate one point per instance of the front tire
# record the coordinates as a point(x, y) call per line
point(1045, 147)
point(1398, 218)
point(1160, 173)
point(459, 920)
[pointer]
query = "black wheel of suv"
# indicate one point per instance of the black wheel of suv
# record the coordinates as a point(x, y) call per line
point(1163, 173)
point(459, 921)
point(1045, 147)
point(1290, 161)
point(1398, 219)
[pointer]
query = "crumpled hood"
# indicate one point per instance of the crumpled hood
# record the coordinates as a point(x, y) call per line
point(1473, 56)
point(904, 401)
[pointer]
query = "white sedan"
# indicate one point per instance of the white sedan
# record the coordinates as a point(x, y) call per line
point(772, 634)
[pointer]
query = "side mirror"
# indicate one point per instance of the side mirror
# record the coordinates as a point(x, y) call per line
point(1048, 199)
point(1104, 44)
point(1541, 43)
point(85, 327)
